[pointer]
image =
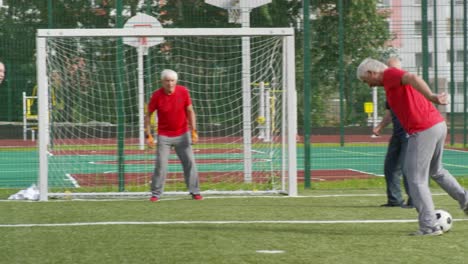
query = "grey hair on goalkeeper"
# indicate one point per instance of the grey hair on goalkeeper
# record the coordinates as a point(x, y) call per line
point(169, 73)
point(370, 65)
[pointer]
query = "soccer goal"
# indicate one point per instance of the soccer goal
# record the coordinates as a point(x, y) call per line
point(91, 93)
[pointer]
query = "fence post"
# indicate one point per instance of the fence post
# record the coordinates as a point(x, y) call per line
point(307, 88)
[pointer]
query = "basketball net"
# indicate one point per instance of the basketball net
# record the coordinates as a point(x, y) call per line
point(234, 15)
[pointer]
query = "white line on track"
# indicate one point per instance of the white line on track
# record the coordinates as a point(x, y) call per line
point(365, 172)
point(455, 150)
point(356, 152)
point(70, 178)
point(455, 165)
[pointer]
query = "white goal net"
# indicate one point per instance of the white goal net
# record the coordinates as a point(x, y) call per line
point(92, 90)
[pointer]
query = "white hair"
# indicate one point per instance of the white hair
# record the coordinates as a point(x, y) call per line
point(370, 65)
point(168, 73)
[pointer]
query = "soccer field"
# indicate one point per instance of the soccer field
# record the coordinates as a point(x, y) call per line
point(317, 227)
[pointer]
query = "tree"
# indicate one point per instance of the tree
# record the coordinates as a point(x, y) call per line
point(366, 34)
point(19, 21)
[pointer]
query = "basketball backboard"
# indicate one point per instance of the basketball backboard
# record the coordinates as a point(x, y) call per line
point(142, 21)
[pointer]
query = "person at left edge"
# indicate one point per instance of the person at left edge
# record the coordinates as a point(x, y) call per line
point(2, 72)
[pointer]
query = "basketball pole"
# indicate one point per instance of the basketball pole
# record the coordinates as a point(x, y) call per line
point(141, 96)
point(142, 44)
point(245, 7)
point(375, 102)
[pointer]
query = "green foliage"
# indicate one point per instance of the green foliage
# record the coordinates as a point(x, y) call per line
point(19, 22)
point(365, 35)
point(196, 13)
point(193, 13)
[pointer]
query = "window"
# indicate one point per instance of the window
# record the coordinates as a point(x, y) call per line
point(419, 59)
point(384, 3)
point(459, 56)
point(418, 28)
point(429, 2)
point(457, 26)
point(458, 89)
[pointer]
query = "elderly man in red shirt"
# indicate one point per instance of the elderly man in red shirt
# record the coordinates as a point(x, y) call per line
point(176, 128)
point(410, 98)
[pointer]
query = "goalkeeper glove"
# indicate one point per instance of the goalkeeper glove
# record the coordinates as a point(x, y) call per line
point(150, 141)
point(194, 136)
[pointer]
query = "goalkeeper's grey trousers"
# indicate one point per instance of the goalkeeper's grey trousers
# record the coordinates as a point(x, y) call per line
point(423, 159)
point(183, 148)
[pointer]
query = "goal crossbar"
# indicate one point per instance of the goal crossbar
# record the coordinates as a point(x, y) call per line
point(161, 32)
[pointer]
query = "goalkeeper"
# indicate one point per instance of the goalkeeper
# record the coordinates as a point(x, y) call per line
point(177, 128)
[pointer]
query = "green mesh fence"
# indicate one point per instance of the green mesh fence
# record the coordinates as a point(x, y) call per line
point(428, 36)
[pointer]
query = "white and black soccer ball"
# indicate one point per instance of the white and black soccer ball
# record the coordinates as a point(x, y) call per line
point(444, 219)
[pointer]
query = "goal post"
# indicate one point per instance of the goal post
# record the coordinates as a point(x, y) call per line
point(89, 137)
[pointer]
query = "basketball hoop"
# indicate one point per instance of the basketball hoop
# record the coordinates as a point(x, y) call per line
point(143, 42)
point(234, 15)
point(234, 7)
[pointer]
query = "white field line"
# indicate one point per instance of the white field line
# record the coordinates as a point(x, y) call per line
point(359, 152)
point(455, 150)
point(455, 165)
point(180, 197)
point(382, 221)
point(365, 172)
point(70, 178)
point(237, 222)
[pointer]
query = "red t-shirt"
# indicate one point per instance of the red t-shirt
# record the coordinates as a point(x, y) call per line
point(413, 110)
point(171, 110)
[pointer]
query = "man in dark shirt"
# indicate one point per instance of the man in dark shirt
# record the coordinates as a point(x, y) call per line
point(393, 160)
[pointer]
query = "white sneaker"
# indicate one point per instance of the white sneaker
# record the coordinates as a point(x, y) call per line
point(433, 233)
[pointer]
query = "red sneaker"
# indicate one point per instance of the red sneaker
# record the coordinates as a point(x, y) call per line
point(197, 197)
point(154, 199)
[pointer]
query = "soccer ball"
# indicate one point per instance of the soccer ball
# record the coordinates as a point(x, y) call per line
point(444, 219)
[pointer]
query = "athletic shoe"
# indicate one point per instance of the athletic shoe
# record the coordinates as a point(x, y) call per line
point(407, 206)
point(466, 209)
point(197, 197)
point(390, 205)
point(154, 199)
point(433, 233)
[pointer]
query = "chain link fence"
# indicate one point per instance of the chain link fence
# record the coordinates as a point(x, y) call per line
point(428, 36)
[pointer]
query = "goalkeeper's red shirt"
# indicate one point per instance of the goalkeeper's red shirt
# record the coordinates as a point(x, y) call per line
point(171, 110)
point(412, 109)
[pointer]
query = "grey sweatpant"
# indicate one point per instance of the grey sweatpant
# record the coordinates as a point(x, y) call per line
point(183, 149)
point(423, 159)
